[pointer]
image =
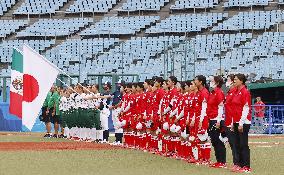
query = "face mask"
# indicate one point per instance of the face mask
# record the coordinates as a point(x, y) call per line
point(228, 84)
point(213, 85)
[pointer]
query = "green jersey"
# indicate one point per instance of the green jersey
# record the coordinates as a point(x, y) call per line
point(45, 103)
point(54, 102)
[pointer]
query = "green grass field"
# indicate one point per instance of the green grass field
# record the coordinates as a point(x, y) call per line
point(266, 158)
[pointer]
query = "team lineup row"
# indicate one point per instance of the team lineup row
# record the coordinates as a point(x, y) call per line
point(166, 117)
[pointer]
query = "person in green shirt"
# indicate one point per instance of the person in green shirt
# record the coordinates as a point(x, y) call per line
point(53, 110)
point(44, 115)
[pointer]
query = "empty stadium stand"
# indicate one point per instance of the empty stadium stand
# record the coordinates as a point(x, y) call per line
point(55, 27)
point(246, 3)
point(5, 5)
point(39, 6)
point(251, 20)
point(97, 6)
point(187, 23)
point(159, 37)
point(147, 5)
point(120, 25)
point(198, 4)
point(11, 26)
point(6, 47)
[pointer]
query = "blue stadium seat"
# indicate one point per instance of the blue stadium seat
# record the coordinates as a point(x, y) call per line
point(40, 7)
point(55, 27)
point(120, 25)
point(98, 6)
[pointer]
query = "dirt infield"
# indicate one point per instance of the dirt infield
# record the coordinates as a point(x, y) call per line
point(45, 146)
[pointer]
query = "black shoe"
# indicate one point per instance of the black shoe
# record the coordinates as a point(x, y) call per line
point(55, 136)
point(61, 136)
point(47, 136)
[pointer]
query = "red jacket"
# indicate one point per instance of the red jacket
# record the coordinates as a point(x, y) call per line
point(216, 97)
point(229, 107)
point(241, 98)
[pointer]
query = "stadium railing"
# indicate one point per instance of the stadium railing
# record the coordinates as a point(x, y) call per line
point(273, 119)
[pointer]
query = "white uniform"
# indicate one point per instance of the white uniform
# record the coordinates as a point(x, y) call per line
point(104, 115)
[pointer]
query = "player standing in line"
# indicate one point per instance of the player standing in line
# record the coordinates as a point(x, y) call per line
point(53, 110)
point(181, 123)
point(203, 146)
point(153, 107)
point(105, 112)
point(176, 103)
point(139, 112)
point(116, 108)
point(215, 111)
point(162, 142)
point(126, 115)
point(193, 124)
point(167, 105)
point(44, 115)
point(241, 103)
point(229, 118)
point(149, 114)
point(63, 108)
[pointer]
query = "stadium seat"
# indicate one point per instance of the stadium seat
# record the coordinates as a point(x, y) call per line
point(11, 26)
point(5, 5)
point(194, 4)
point(98, 6)
point(187, 23)
point(143, 5)
point(120, 25)
point(55, 27)
point(40, 7)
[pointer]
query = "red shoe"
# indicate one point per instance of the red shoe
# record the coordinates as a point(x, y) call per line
point(235, 168)
point(245, 170)
point(218, 165)
point(214, 164)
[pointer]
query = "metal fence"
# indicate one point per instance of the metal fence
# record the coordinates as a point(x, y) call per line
point(267, 119)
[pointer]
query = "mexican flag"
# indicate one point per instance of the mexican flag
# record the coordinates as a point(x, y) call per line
point(33, 77)
point(16, 87)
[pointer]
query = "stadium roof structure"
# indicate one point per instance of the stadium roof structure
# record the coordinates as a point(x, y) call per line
point(253, 86)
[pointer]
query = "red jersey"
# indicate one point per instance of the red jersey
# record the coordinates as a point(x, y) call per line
point(157, 97)
point(190, 103)
point(176, 103)
point(241, 98)
point(139, 105)
point(216, 97)
point(132, 101)
point(259, 108)
point(172, 93)
point(182, 103)
point(229, 107)
point(201, 95)
point(167, 101)
point(164, 103)
point(125, 101)
point(149, 101)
